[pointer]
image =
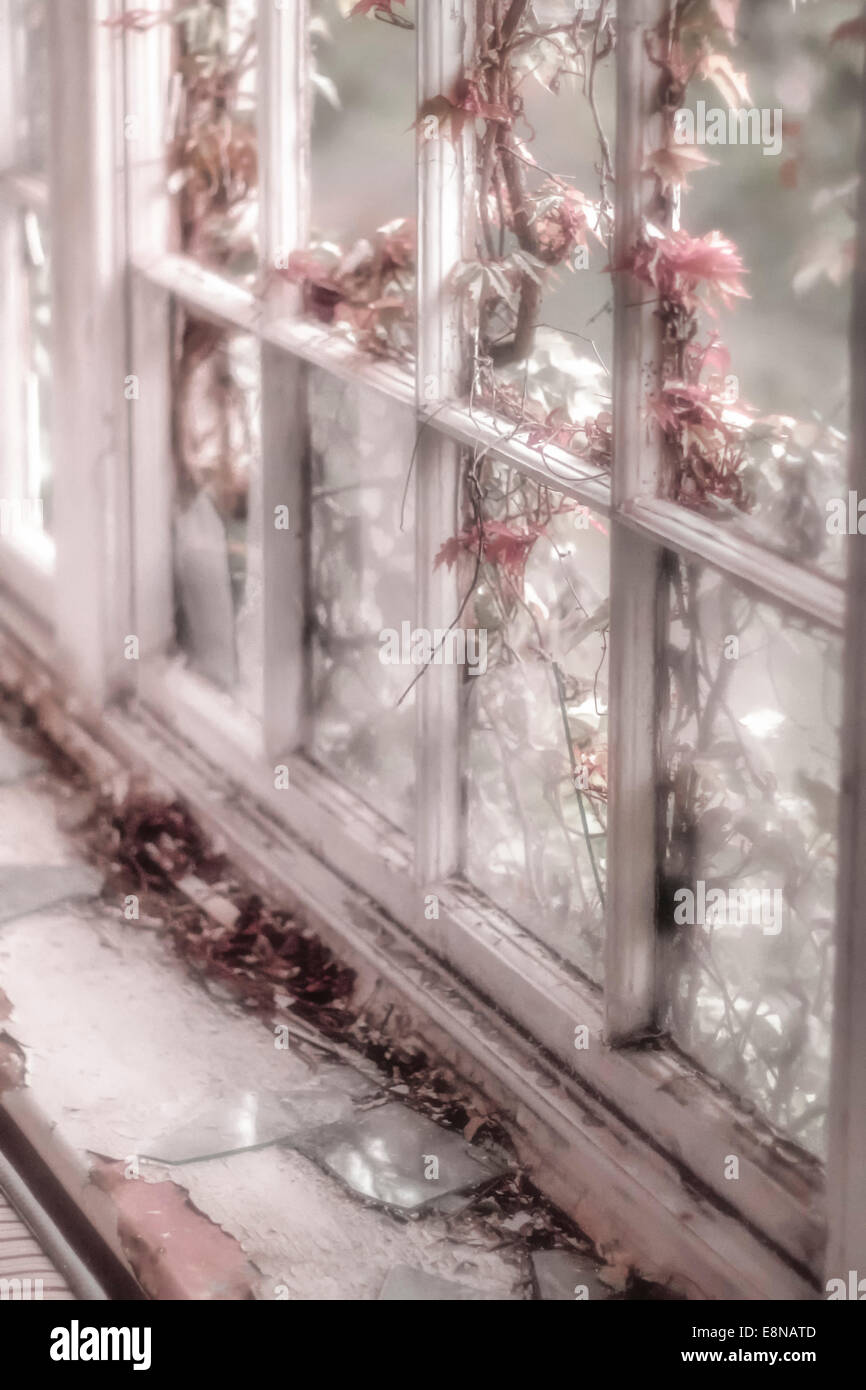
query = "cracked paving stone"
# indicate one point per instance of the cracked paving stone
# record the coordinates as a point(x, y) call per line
point(408, 1285)
point(558, 1273)
point(16, 763)
point(248, 1120)
point(33, 887)
point(386, 1154)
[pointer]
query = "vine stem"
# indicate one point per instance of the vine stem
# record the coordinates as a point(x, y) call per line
point(560, 689)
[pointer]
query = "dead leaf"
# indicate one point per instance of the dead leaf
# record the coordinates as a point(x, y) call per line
point(470, 1130)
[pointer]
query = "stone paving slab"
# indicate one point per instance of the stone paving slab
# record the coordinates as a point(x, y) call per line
point(122, 1044)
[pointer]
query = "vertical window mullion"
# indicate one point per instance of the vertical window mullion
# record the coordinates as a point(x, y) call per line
point(152, 231)
point(284, 139)
point(630, 943)
point(88, 352)
point(445, 38)
point(284, 128)
point(846, 1169)
point(12, 443)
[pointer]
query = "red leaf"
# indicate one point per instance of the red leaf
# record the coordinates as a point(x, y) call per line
point(677, 264)
point(502, 545)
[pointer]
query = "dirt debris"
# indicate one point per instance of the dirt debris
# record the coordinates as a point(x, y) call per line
point(268, 961)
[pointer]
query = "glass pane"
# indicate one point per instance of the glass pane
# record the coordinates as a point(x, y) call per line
point(363, 147)
point(217, 533)
point(546, 128)
point(752, 776)
point(31, 83)
point(536, 566)
point(760, 428)
point(363, 592)
point(211, 127)
point(359, 270)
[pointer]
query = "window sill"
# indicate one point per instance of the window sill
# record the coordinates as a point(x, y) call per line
point(630, 1185)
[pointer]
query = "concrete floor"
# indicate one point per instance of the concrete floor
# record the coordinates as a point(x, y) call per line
point(122, 1045)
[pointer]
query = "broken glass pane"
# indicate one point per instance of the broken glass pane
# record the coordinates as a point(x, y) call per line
point(398, 1157)
point(536, 755)
point(751, 782)
point(217, 531)
point(212, 136)
point(363, 591)
point(564, 1275)
point(248, 1120)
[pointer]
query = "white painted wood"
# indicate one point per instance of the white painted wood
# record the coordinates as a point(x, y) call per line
point(284, 104)
point(91, 601)
point(322, 347)
point(618, 1186)
point(147, 59)
point(846, 1175)
point(703, 539)
point(284, 484)
point(153, 478)
point(662, 1096)
point(446, 36)
point(152, 236)
point(208, 294)
point(26, 554)
point(693, 536)
point(630, 942)
point(665, 1097)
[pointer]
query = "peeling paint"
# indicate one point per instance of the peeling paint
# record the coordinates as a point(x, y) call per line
point(175, 1250)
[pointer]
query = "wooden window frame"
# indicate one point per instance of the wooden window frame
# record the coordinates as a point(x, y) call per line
point(26, 557)
point(780, 1192)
